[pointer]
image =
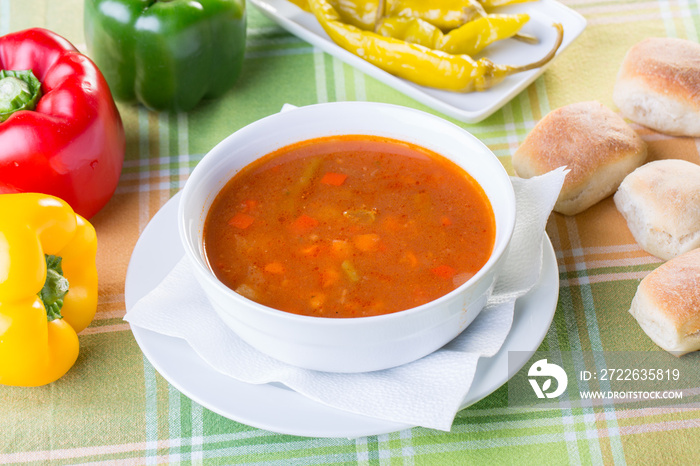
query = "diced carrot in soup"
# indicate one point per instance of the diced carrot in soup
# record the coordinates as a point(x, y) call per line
point(276, 268)
point(367, 242)
point(374, 246)
point(444, 271)
point(249, 205)
point(329, 277)
point(304, 224)
point(311, 251)
point(241, 220)
point(341, 248)
point(334, 179)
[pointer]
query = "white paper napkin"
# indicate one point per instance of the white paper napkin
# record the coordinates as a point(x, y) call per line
point(427, 392)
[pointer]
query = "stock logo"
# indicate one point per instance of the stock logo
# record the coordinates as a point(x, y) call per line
point(542, 370)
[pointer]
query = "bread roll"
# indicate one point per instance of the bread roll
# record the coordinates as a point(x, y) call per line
point(658, 86)
point(661, 204)
point(667, 304)
point(595, 143)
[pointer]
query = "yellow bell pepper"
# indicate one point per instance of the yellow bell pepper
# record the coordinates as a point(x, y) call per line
point(48, 287)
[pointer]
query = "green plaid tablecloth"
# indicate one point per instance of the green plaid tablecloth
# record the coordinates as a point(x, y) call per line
point(114, 407)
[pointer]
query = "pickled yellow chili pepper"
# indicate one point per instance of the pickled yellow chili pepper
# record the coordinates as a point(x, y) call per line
point(470, 38)
point(443, 14)
point(360, 13)
point(303, 4)
point(416, 63)
point(489, 4)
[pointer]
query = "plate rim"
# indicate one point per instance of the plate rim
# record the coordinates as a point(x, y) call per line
point(359, 425)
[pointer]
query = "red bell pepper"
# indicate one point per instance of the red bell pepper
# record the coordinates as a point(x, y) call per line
point(71, 145)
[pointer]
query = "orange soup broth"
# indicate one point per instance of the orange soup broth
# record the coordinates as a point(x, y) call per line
point(348, 226)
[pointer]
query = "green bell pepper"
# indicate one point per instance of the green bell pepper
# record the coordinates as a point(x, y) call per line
point(167, 54)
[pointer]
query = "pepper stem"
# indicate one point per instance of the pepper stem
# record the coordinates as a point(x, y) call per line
point(546, 58)
point(19, 90)
point(55, 288)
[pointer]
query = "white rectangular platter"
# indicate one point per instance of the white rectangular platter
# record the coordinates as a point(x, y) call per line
point(466, 107)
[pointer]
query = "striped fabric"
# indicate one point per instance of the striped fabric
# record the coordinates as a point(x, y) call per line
point(114, 407)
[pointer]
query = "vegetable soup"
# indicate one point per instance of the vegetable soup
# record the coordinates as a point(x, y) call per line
point(348, 226)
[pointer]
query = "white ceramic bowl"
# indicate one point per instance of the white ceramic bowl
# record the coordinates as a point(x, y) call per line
point(352, 344)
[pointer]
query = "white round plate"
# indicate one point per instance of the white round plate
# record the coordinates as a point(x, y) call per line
point(275, 407)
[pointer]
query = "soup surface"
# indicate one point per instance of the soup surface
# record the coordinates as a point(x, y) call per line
point(348, 226)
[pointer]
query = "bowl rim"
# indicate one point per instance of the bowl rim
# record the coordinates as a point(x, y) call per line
point(204, 271)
